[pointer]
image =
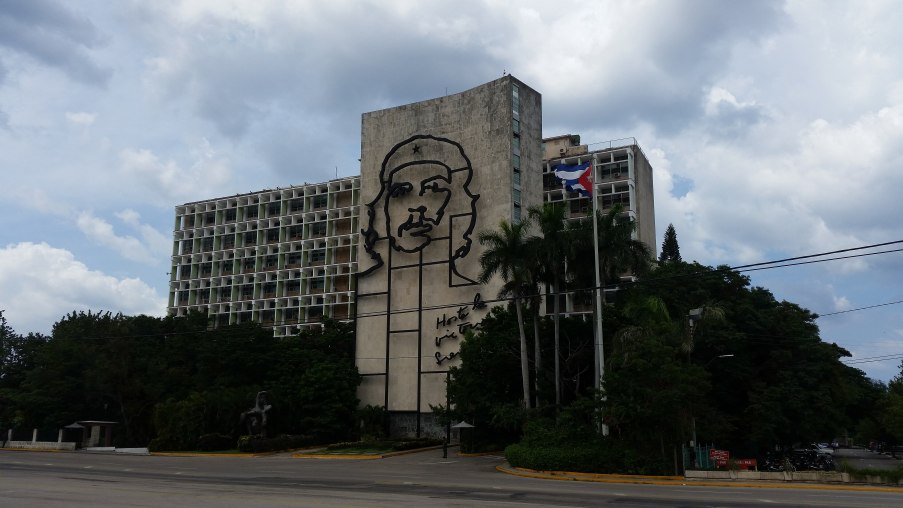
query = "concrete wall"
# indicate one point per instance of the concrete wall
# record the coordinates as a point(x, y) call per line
point(796, 476)
point(434, 174)
point(645, 200)
point(40, 445)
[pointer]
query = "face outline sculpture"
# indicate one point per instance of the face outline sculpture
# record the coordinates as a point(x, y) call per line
point(418, 195)
point(424, 189)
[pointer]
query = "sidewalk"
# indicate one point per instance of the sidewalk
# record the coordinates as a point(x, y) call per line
point(680, 480)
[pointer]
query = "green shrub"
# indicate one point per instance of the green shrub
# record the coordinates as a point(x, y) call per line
point(589, 457)
point(215, 443)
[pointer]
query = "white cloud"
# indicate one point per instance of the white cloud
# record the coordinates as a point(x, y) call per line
point(82, 118)
point(102, 232)
point(159, 244)
point(42, 283)
point(172, 183)
point(841, 303)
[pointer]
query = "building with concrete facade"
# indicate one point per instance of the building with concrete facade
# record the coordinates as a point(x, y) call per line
point(396, 249)
point(282, 257)
point(434, 174)
point(623, 176)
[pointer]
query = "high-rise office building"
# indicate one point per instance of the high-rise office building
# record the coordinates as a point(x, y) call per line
point(282, 257)
point(621, 175)
point(434, 174)
point(396, 249)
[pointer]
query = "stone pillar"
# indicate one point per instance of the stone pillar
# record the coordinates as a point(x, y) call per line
point(34, 436)
point(59, 437)
point(9, 435)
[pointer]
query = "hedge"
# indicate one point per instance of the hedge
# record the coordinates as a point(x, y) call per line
point(585, 458)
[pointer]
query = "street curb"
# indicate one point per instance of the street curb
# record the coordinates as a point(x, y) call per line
point(34, 450)
point(192, 454)
point(361, 457)
point(676, 481)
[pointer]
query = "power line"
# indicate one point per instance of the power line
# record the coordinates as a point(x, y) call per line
point(821, 260)
point(819, 255)
point(873, 359)
point(861, 308)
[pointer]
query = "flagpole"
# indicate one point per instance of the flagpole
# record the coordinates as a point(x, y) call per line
point(600, 350)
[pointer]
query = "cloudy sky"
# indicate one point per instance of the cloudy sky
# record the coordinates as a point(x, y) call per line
point(775, 128)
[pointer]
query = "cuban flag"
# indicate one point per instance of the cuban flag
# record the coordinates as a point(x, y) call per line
point(577, 177)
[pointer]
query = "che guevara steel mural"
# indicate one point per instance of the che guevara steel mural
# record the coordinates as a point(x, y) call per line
point(419, 236)
point(412, 207)
point(425, 199)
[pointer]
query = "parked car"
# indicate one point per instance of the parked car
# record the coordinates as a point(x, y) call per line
point(824, 449)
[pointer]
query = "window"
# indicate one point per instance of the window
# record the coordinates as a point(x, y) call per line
point(294, 258)
point(272, 209)
point(515, 145)
point(515, 126)
point(318, 228)
point(251, 212)
point(516, 215)
point(580, 206)
point(296, 205)
point(516, 194)
point(320, 201)
point(515, 98)
point(516, 161)
point(230, 215)
point(318, 256)
point(516, 178)
point(318, 283)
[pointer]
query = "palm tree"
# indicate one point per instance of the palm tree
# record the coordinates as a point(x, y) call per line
point(503, 255)
point(652, 319)
point(708, 313)
point(550, 254)
point(619, 252)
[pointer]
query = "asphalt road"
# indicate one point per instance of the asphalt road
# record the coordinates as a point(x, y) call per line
point(47, 480)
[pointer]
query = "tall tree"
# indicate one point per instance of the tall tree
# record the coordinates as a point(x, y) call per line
point(504, 256)
point(670, 249)
point(551, 250)
point(619, 252)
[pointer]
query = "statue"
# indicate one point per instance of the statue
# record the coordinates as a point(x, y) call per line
point(255, 419)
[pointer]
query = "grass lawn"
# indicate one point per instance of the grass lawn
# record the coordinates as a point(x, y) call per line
point(363, 449)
